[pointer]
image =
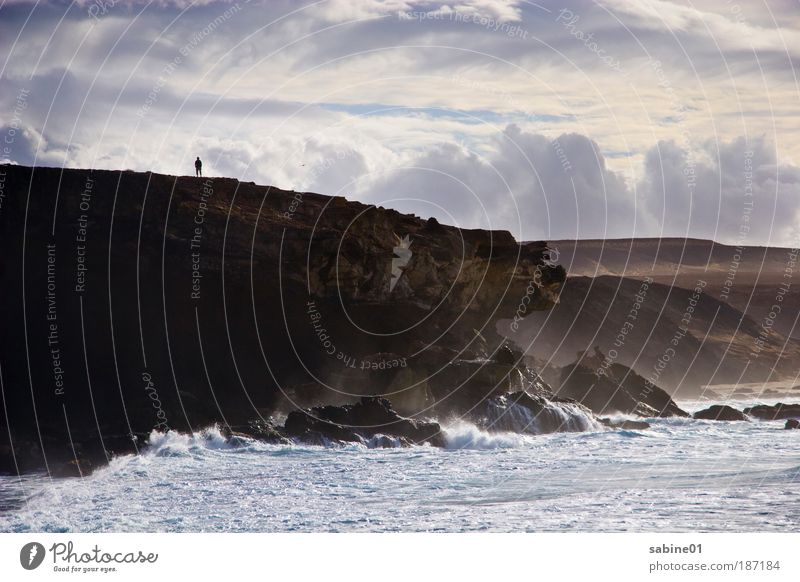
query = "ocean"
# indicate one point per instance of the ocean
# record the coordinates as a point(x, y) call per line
point(679, 475)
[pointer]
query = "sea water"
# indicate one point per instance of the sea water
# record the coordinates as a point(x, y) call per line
point(679, 475)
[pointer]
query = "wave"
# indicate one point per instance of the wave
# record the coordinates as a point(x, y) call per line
point(178, 444)
point(464, 435)
point(505, 414)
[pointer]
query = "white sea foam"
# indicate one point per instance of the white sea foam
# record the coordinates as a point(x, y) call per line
point(726, 476)
point(174, 443)
point(464, 435)
point(505, 414)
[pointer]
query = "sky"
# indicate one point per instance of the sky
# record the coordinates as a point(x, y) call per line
point(553, 120)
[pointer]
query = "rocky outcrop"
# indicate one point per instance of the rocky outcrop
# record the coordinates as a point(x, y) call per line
point(778, 411)
point(523, 412)
point(153, 301)
point(720, 412)
point(632, 297)
point(792, 423)
point(607, 387)
point(369, 418)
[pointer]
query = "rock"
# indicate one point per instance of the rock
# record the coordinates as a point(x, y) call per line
point(778, 411)
point(792, 423)
point(260, 430)
point(522, 412)
point(369, 417)
point(609, 388)
point(625, 424)
point(505, 355)
point(304, 425)
point(311, 308)
point(461, 385)
point(720, 412)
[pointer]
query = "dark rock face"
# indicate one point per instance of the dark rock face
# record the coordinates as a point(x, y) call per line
point(658, 277)
point(778, 411)
point(792, 423)
point(368, 418)
point(153, 301)
point(608, 388)
point(523, 412)
point(257, 429)
point(720, 412)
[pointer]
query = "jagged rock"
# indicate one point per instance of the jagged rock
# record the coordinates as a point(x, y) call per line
point(625, 424)
point(261, 430)
point(778, 411)
point(608, 388)
point(533, 414)
point(304, 279)
point(365, 419)
point(505, 355)
point(720, 412)
point(792, 423)
point(461, 385)
point(305, 426)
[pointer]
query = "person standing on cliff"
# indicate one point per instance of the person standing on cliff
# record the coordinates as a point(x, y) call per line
point(198, 167)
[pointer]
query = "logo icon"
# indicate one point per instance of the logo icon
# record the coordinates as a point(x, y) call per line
point(551, 259)
point(402, 256)
point(31, 555)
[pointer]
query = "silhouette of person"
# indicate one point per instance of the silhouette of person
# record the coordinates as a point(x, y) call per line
point(198, 167)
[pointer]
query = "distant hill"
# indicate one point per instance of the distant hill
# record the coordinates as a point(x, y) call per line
point(730, 336)
point(752, 275)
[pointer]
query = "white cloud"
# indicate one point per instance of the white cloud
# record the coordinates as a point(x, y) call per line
point(447, 111)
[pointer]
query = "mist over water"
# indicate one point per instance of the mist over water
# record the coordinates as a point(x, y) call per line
point(680, 475)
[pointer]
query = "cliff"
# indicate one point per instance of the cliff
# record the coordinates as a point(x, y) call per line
point(134, 301)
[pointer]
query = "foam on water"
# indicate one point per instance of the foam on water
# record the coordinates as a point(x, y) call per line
point(173, 443)
point(465, 435)
point(680, 475)
point(506, 415)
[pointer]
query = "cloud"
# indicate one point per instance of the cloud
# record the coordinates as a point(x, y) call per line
point(529, 132)
point(737, 192)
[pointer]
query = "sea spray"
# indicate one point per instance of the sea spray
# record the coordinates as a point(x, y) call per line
point(506, 413)
point(465, 435)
